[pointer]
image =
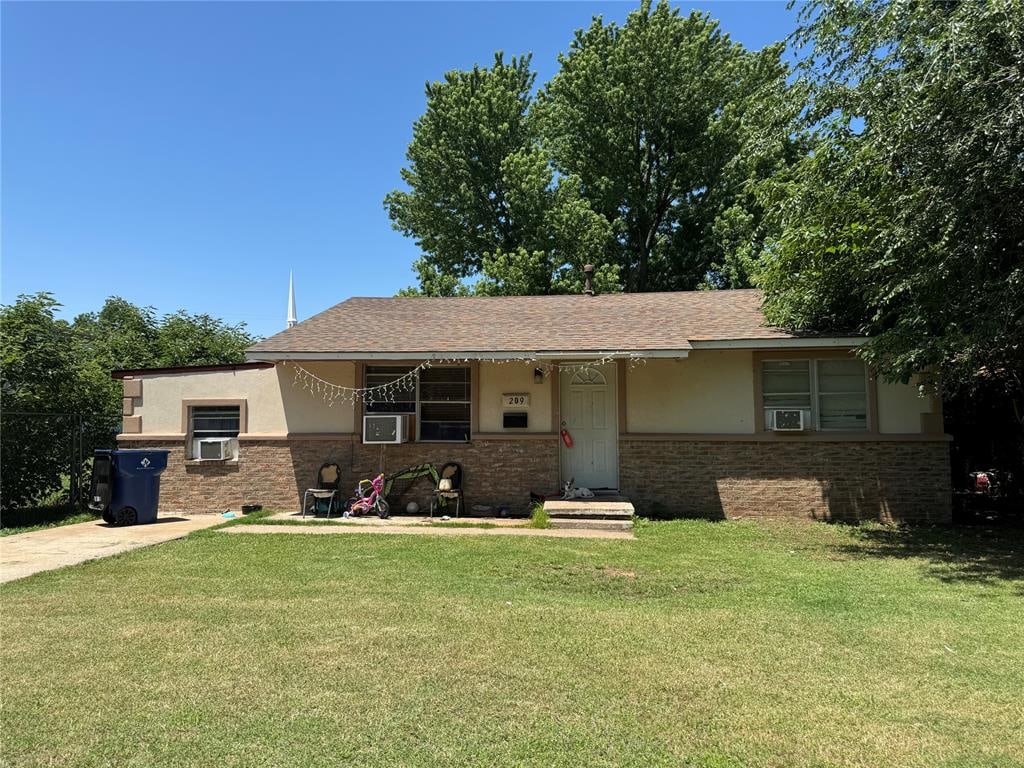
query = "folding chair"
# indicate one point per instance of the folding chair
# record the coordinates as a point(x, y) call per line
point(326, 495)
point(449, 486)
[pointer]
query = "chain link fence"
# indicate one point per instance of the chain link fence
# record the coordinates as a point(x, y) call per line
point(46, 460)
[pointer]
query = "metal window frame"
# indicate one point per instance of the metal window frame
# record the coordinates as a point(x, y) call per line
point(816, 393)
point(419, 402)
point(405, 369)
point(468, 403)
point(214, 433)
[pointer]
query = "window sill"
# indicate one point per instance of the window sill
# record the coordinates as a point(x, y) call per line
point(815, 434)
point(209, 462)
point(787, 437)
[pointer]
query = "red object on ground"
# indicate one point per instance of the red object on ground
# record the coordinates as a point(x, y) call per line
point(567, 438)
point(982, 482)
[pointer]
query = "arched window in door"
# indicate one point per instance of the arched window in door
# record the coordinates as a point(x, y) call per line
point(588, 376)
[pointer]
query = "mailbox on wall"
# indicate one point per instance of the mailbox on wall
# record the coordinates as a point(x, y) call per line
point(515, 420)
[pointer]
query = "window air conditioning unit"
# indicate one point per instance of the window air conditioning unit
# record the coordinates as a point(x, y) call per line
point(787, 420)
point(386, 429)
point(214, 448)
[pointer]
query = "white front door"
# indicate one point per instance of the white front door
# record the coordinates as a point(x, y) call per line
point(588, 413)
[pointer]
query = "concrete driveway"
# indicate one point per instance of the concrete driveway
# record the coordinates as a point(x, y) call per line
point(23, 554)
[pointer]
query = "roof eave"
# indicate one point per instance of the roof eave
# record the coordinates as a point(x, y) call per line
point(788, 342)
point(134, 373)
point(272, 356)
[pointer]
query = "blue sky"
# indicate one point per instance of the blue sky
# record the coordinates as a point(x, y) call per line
point(187, 155)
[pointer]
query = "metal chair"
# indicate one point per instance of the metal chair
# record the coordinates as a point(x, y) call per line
point(449, 486)
point(328, 485)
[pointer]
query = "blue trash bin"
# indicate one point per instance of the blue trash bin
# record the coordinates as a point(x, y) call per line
point(126, 484)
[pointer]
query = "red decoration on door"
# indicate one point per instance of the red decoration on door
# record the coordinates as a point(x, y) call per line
point(567, 438)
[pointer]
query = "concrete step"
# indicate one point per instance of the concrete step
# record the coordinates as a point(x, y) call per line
point(589, 509)
point(591, 524)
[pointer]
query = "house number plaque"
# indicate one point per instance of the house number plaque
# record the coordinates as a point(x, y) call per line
point(515, 400)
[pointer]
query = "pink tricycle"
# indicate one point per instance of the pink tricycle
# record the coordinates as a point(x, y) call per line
point(370, 498)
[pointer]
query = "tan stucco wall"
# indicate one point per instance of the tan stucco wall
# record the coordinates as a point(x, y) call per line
point(277, 405)
point(900, 408)
point(274, 405)
point(709, 392)
point(307, 412)
point(501, 378)
point(160, 404)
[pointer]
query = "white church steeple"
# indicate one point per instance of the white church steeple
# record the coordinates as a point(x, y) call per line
point(292, 319)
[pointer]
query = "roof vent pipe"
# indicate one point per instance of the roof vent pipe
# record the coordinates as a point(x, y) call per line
point(588, 279)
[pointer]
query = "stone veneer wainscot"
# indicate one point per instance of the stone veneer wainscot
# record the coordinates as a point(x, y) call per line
point(899, 481)
point(274, 473)
point(892, 481)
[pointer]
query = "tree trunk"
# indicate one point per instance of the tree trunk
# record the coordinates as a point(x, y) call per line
point(644, 262)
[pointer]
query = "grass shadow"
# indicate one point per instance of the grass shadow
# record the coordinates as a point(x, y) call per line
point(980, 555)
point(158, 521)
point(33, 518)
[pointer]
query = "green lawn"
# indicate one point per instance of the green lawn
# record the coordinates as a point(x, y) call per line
point(699, 644)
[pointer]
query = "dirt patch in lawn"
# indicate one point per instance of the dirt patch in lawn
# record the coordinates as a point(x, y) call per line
point(617, 573)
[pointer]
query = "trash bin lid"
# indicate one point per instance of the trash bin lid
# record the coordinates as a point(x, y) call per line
point(141, 460)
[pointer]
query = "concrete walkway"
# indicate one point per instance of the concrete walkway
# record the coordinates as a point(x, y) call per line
point(428, 530)
point(23, 554)
point(417, 521)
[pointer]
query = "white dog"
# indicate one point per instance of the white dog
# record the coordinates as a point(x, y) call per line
point(570, 491)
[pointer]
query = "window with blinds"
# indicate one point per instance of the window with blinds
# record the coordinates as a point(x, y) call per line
point(787, 384)
point(842, 395)
point(444, 401)
point(440, 399)
point(832, 392)
point(215, 420)
point(385, 399)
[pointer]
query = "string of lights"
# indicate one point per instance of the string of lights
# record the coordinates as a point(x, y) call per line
point(332, 393)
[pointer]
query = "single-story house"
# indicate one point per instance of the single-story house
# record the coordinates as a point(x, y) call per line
point(685, 403)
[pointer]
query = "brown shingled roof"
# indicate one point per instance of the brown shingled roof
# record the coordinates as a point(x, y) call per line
point(619, 322)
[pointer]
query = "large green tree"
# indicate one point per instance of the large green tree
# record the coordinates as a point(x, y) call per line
point(184, 339)
point(907, 220)
point(44, 383)
point(121, 335)
point(483, 201)
point(638, 156)
point(663, 119)
point(57, 394)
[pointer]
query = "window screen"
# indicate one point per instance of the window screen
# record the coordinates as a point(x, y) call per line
point(390, 401)
point(444, 395)
point(842, 395)
point(215, 420)
point(787, 384)
point(832, 392)
point(441, 398)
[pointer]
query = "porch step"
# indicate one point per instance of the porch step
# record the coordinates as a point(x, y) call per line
point(588, 509)
point(590, 524)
